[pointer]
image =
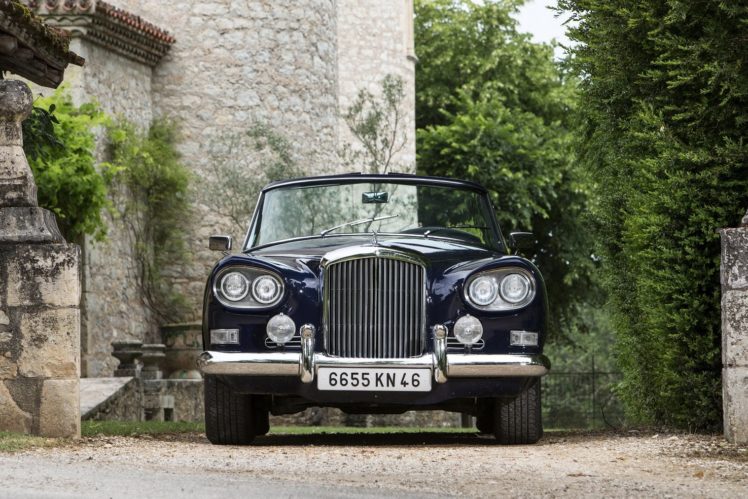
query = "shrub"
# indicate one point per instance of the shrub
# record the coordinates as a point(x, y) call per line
point(60, 144)
point(665, 89)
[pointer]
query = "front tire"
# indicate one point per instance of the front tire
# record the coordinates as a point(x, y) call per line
point(228, 414)
point(517, 421)
point(484, 417)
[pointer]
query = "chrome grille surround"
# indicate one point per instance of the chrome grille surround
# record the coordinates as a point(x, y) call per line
point(374, 304)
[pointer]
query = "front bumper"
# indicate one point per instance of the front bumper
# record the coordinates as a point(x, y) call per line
point(304, 364)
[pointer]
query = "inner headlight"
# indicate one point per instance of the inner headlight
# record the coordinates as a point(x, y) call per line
point(483, 290)
point(499, 289)
point(266, 289)
point(234, 286)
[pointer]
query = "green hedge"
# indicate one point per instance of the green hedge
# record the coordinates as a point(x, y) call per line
point(665, 92)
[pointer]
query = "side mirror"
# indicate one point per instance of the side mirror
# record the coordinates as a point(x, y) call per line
point(521, 240)
point(219, 243)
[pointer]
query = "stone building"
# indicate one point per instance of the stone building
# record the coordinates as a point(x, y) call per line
point(217, 67)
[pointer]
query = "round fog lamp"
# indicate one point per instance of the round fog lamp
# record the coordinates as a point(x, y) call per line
point(281, 328)
point(483, 290)
point(265, 289)
point(468, 330)
point(515, 288)
point(234, 286)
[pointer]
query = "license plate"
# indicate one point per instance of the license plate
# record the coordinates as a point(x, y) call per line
point(374, 379)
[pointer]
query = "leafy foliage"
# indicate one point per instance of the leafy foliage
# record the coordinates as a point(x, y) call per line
point(154, 205)
point(242, 165)
point(493, 107)
point(665, 89)
point(60, 143)
point(377, 124)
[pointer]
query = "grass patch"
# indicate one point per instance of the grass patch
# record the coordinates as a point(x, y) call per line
point(347, 430)
point(135, 428)
point(14, 442)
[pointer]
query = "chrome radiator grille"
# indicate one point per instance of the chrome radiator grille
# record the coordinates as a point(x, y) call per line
point(374, 308)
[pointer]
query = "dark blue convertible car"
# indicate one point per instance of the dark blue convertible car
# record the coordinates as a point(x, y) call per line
point(374, 294)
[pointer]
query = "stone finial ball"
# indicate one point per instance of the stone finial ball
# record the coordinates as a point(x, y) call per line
point(16, 100)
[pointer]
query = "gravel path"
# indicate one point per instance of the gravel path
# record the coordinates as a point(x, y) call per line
point(403, 465)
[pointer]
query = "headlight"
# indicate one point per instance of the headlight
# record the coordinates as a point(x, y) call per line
point(515, 288)
point(266, 289)
point(468, 330)
point(281, 328)
point(500, 289)
point(483, 290)
point(234, 286)
point(248, 287)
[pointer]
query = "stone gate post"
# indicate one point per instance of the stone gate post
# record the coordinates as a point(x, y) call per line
point(734, 278)
point(39, 294)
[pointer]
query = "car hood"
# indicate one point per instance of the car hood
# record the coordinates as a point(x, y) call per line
point(437, 253)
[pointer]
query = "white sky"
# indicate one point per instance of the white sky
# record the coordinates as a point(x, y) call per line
point(536, 19)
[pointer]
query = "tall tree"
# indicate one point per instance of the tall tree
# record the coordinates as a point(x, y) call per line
point(494, 107)
point(665, 92)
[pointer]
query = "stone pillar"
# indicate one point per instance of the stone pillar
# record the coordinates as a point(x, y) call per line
point(39, 294)
point(734, 278)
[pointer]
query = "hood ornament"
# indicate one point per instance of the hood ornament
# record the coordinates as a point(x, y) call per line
point(374, 240)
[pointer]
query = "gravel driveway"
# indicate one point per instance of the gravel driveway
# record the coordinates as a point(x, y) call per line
point(403, 465)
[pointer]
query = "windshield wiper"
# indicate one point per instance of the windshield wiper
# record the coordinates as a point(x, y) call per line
point(356, 222)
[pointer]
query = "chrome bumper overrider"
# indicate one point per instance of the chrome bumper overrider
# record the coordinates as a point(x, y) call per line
point(305, 363)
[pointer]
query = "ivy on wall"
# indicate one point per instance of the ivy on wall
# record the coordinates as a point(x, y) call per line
point(151, 191)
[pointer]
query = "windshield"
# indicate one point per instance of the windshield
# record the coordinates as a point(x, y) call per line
point(364, 207)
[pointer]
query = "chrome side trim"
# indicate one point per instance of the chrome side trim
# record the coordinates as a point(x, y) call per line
point(259, 364)
point(467, 365)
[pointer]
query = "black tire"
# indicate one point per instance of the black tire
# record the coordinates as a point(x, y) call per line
point(484, 417)
point(228, 415)
point(518, 421)
point(261, 417)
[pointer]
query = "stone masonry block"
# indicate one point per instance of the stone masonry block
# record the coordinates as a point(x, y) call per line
point(44, 274)
point(50, 343)
point(59, 412)
point(735, 328)
point(734, 273)
point(8, 344)
point(735, 404)
point(12, 418)
point(29, 224)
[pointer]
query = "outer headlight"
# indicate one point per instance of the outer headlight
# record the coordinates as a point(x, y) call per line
point(248, 287)
point(500, 289)
point(234, 286)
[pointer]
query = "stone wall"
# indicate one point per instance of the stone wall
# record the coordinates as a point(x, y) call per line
point(235, 64)
point(734, 279)
point(112, 308)
point(375, 39)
